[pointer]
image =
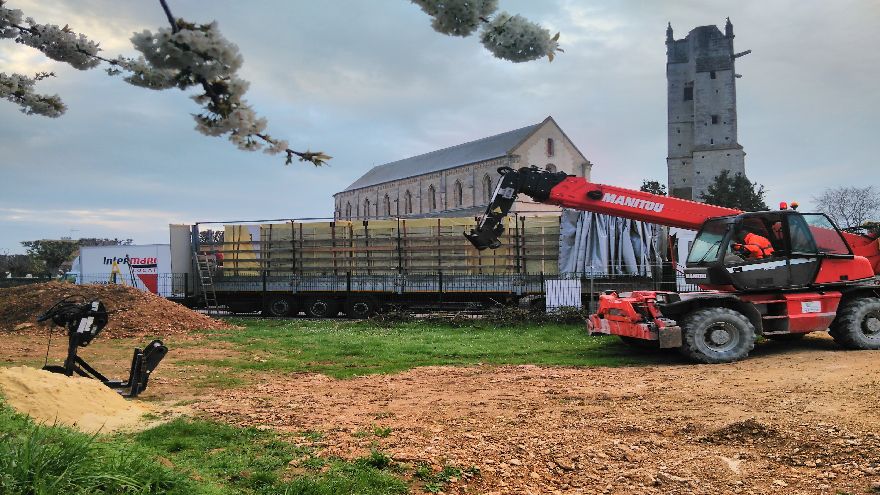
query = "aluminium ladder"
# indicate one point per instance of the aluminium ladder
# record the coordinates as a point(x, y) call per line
point(205, 264)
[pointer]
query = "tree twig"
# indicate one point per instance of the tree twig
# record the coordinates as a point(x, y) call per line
point(170, 16)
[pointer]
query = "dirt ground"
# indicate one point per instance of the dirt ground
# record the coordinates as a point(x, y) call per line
point(793, 418)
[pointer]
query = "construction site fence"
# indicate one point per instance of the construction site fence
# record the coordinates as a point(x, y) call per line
point(165, 284)
point(7, 282)
point(577, 287)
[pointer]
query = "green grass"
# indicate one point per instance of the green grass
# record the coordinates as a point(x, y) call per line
point(184, 456)
point(45, 460)
point(343, 349)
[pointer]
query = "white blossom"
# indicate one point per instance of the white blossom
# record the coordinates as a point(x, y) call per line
point(144, 75)
point(200, 50)
point(457, 17)
point(20, 90)
point(517, 39)
point(9, 18)
point(60, 44)
point(277, 146)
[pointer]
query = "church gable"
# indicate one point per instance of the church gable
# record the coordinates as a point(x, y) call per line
point(460, 180)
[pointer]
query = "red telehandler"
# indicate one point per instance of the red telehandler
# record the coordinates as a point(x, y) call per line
point(811, 277)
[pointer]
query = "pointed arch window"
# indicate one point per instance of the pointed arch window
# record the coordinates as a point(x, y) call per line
point(348, 211)
point(432, 198)
point(407, 203)
point(457, 194)
point(367, 208)
point(487, 188)
point(551, 147)
point(386, 203)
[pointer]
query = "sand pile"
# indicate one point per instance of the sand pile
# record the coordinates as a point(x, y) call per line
point(80, 402)
point(133, 313)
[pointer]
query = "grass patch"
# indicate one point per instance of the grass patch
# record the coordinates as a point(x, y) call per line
point(53, 460)
point(437, 482)
point(343, 349)
point(184, 456)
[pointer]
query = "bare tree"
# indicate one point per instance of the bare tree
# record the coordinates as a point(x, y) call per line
point(850, 207)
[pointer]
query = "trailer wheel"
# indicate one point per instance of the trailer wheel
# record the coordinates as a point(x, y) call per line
point(280, 306)
point(857, 325)
point(321, 307)
point(717, 335)
point(361, 307)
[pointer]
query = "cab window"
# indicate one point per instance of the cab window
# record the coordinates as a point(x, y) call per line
point(827, 239)
point(706, 246)
point(801, 238)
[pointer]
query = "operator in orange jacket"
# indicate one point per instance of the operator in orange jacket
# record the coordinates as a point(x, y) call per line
point(754, 246)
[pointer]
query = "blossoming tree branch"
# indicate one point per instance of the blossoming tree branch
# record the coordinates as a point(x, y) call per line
point(187, 55)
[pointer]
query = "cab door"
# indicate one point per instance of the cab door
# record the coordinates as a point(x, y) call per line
point(771, 271)
point(805, 261)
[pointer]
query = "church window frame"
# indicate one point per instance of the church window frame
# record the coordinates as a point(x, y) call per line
point(551, 147)
point(407, 203)
point(432, 198)
point(367, 208)
point(386, 204)
point(457, 194)
point(348, 210)
point(487, 189)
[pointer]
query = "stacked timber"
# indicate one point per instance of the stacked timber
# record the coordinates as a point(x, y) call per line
point(385, 247)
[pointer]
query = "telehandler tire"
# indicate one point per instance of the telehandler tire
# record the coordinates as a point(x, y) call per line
point(857, 325)
point(717, 335)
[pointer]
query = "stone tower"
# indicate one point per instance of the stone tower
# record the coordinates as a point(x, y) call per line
point(701, 84)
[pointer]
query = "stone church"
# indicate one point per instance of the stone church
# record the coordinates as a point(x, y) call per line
point(701, 82)
point(460, 180)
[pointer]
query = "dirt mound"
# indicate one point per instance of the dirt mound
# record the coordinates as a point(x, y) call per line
point(746, 431)
point(132, 312)
point(83, 403)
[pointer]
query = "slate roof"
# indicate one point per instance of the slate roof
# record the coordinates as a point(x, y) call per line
point(456, 156)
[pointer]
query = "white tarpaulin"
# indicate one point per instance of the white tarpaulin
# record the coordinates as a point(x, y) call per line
point(603, 245)
point(562, 293)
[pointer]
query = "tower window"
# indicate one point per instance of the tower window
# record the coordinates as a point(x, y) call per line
point(714, 119)
point(712, 141)
point(689, 93)
point(712, 75)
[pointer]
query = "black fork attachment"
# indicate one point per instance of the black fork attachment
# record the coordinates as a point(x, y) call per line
point(84, 322)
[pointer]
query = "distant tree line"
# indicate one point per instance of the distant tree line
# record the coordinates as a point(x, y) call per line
point(50, 257)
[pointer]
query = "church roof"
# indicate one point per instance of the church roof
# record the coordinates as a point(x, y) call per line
point(455, 156)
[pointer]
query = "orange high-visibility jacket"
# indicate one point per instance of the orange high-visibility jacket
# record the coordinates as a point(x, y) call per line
point(757, 246)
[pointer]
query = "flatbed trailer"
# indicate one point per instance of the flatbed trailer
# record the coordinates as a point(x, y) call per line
point(324, 268)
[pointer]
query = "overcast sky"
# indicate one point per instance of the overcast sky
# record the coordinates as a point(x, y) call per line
point(370, 82)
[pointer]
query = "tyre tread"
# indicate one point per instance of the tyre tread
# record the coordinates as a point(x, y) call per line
point(697, 318)
point(842, 327)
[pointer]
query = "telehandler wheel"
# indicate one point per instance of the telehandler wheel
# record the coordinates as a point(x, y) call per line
point(717, 335)
point(361, 307)
point(857, 325)
point(321, 307)
point(280, 306)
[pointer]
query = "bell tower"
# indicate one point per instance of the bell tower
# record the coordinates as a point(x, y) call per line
point(701, 109)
